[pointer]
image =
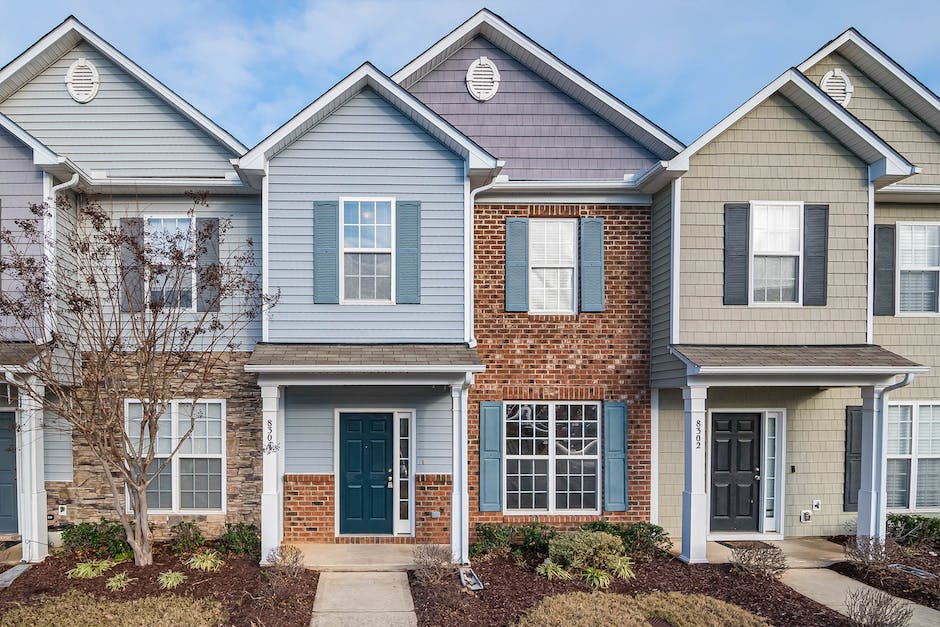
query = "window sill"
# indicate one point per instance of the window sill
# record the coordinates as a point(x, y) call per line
point(776, 305)
point(571, 314)
point(369, 303)
point(185, 512)
point(542, 512)
point(917, 314)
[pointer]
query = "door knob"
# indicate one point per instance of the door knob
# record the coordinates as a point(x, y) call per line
point(756, 477)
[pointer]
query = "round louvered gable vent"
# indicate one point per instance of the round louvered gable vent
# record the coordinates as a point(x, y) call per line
point(82, 80)
point(837, 86)
point(482, 79)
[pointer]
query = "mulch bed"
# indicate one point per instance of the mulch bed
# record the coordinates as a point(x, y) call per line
point(237, 585)
point(511, 589)
point(746, 544)
point(896, 582)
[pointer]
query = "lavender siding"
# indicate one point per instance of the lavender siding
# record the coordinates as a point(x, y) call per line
point(539, 131)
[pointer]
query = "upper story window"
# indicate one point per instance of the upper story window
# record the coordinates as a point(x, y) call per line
point(913, 477)
point(918, 267)
point(171, 283)
point(776, 252)
point(552, 270)
point(367, 250)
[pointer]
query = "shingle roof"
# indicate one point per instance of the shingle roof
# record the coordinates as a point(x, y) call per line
point(805, 356)
point(347, 356)
point(17, 353)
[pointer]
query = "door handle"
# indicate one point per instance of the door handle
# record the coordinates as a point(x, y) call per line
point(756, 477)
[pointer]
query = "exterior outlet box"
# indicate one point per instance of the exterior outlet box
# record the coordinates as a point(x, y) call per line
point(817, 504)
point(435, 514)
point(63, 510)
point(806, 516)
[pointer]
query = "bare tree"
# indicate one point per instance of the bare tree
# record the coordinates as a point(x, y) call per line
point(125, 309)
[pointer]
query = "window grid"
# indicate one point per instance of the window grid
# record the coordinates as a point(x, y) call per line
point(918, 254)
point(367, 236)
point(770, 468)
point(553, 255)
point(913, 456)
point(776, 253)
point(171, 290)
point(552, 455)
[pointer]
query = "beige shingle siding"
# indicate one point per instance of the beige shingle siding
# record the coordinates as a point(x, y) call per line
point(906, 133)
point(774, 153)
point(664, 368)
point(915, 337)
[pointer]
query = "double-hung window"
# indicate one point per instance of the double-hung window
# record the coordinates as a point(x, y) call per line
point(776, 251)
point(553, 254)
point(195, 477)
point(170, 282)
point(914, 456)
point(552, 454)
point(918, 267)
point(368, 251)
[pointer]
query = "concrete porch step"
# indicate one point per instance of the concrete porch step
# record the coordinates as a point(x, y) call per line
point(358, 557)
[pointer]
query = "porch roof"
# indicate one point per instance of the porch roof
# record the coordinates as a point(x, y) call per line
point(726, 358)
point(363, 358)
point(18, 353)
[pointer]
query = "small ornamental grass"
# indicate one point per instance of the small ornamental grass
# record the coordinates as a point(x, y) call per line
point(171, 579)
point(595, 556)
point(89, 569)
point(119, 582)
point(205, 560)
point(550, 570)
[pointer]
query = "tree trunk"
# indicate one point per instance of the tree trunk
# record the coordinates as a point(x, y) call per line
point(139, 537)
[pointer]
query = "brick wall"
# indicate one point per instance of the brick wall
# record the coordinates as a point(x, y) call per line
point(588, 356)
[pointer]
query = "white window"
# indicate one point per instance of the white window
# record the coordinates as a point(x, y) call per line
point(367, 250)
point(552, 457)
point(914, 456)
point(918, 267)
point(776, 251)
point(169, 283)
point(195, 478)
point(553, 254)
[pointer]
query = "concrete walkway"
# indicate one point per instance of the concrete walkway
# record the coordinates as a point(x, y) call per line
point(352, 599)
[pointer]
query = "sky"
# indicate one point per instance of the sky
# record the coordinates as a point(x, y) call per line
point(684, 64)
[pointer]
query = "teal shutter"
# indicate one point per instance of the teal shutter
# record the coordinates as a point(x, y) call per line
point(408, 251)
point(517, 264)
point(592, 264)
point(615, 457)
point(326, 252)
point(491, 456)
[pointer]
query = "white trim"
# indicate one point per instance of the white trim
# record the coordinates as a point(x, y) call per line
point(798, 287)
point(849, 88)
point(914, 456)
point(42, 154)
point(375, 250)
point(316, 368)
point(897, 272)
point(468, 305)
point(654, 456)
point(676, 262)
point(49, 244)
point(870, 261)
point(70, 81)
point(265, 253)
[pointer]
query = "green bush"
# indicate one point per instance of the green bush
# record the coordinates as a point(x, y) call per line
point(585, 549)
point(187, 538)
point(645, 539)
point(910, 529)
point(614, 529)
point(103, 539)
point(241, 539)
point(492, 538)
point(535, 537)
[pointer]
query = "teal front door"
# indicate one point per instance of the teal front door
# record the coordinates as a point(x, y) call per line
point(8, 517)
point(365, 473)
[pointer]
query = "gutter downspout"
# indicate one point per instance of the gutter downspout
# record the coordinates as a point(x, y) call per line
point(471, 202)
point(49, 233)
point(882, 433)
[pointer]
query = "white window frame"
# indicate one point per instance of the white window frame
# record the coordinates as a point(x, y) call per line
point(599, 457)
point(192, 231)
point(574, 270)
point(897, 273)
point(751, 254)
point(343, 250)
point(913, 456)
point(174, 461)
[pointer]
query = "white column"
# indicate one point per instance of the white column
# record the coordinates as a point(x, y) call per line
point(459, 499)
point(271, 477)
point(872, 494)
point(34, 531)
point(694, 497)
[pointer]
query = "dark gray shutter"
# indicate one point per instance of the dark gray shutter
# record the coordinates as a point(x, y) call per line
point(491, 456)
point(517, 264)
point(815, 254)
point(326, 252)
point(736, 253)
point(132, 246)
point(592, 264)
point(408, 252)
point(207, 266)
point(853, 458)
point(615, 457)
point(884, 270)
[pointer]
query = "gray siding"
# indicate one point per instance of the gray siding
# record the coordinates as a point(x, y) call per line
point(539, 131)
point(126, 130)
point(309, 418)
point(665, 369)
point(57, 453)
point(366, 148)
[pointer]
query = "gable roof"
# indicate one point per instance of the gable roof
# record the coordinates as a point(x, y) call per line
point(571, 82)
point(367, 75)
point(885, 71)
point(66, 36)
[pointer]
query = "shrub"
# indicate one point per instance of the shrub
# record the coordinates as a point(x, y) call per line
point(614, 529)
point(595, 577)
point(492, 539)
point(695, 610)
point(535, 537)
point(646, 539)
point(286, 568)
point(585, 549)
point(871, 553)
point(763, 561)
point(910, 529)
point(876, 608)
point(206, 560)
point(187, 538)
point(103, 539)
point(241, 539)
point(432, 563)
point(119, 582)
point(89, 569)
point(170, 579)
point(550, 570)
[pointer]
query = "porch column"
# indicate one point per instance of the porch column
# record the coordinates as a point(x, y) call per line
point(271, 531)
point(694, 498)
point(872, 494)
point(460, 502)
point(34, 532)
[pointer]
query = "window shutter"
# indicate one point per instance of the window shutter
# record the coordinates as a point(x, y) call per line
point(517, 264)
point(207, 266)
point(884, 270)
point(736, 253)
point(815, 254)
point(592, 264)
point(491, 456)
point(132, 285)
point(615, 457)
point(853, 458)
point(326, 252)
point(408, 251)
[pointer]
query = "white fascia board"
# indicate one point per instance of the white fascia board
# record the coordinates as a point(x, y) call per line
point(42, 154)
point(605, 192)
point(560, 74)
point(286, 369)
point(801, 370)
point(908, 193)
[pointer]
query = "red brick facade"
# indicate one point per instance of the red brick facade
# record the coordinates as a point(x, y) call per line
point(587, 356)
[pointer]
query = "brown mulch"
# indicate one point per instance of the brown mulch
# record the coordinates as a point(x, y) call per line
point(511, 589)
point(238, 586)
point(896, 582)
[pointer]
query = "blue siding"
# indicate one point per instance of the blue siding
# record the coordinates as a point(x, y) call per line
point(366, 148)
point(310, 417)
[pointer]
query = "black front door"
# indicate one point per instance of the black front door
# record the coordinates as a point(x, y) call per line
point(735, 488)
point(365, 470)
point(8, 513)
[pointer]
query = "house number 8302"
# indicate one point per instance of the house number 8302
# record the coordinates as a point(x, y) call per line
point(698, 434)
